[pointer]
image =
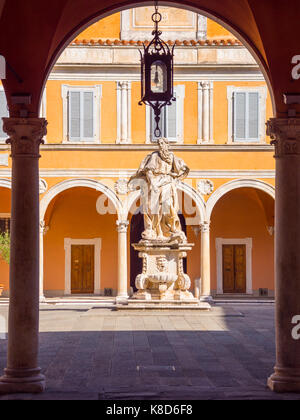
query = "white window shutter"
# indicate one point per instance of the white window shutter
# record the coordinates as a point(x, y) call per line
point(3, 113)
point(74, 115)
point(162, 124)
point(240, 122)
point(172, 121)
point(253, 116)
point(88, 115)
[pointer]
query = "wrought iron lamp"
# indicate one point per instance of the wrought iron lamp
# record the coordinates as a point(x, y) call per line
point(157, 73)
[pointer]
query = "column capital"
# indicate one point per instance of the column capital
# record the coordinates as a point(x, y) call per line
point(122, 226)
point(205, 84)
point(25, 135)
point(205, 227)
point(285, 136)
point(123, 84)
point(43, 228)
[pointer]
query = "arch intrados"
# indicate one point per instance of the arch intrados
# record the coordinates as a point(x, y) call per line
point(78, 183)
point(88, 21)
point(235, 185)
point(5, 183)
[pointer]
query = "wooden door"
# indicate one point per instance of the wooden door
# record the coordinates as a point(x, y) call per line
point(234, 268)
point(82, 268)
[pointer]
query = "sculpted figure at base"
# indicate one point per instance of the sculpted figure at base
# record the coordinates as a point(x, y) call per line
point(157, 177)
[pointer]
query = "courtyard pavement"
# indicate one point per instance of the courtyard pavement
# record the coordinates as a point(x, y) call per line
point(93, 352)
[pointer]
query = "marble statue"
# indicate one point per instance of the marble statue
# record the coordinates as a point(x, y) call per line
point(157, 177)
point(163, 245)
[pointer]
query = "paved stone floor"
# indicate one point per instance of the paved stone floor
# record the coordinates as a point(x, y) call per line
point(96, 353)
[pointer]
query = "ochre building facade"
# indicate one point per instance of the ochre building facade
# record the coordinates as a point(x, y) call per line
point(98, 135)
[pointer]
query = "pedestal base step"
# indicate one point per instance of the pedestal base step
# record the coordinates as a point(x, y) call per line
point(163, 304)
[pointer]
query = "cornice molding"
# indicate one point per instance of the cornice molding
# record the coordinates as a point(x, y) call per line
point(127, 173)
point(149, 147)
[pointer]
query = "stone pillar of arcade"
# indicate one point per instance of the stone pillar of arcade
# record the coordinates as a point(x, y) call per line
point(285, 134)
point(122, 227)
point(22, 373)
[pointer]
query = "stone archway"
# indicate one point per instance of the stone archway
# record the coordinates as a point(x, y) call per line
point(254, 23)
point(241, 216)
point(232, 185)
point(48, 198)
point(73, 183)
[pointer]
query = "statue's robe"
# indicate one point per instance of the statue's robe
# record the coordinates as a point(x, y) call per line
point(159, 198)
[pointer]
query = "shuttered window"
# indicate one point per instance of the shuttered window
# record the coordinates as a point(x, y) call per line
point(3, 113)
point(246, 116)
point(168, 122)
point(81, 125)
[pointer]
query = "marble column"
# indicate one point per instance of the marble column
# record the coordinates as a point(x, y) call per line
point(205, 262)
point(122, 226)
point(42, 233)
point(285, 135)
point(22, 373)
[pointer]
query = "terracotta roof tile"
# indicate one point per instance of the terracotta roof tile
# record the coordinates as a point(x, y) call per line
point(186, 42)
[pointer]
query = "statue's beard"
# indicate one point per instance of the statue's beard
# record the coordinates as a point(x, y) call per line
point(165, 155)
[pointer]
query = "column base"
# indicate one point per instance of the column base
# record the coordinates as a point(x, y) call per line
point(122, 298)
point(22, 381)
point(285, 380)
point(206, 298)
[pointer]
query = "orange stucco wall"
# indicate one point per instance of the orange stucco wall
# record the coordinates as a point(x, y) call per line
point(108, 27)
point(214, 30)
point(108, 111)
point(73, 213)
point(74, 216)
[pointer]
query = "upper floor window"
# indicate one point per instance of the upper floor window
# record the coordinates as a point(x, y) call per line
point(3, 113)
point(81, 114)
point(171, 119)
point(247, 114)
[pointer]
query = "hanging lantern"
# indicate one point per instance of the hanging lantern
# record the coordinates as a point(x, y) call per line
point(157, 73)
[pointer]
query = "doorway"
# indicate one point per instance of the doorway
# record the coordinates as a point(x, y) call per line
point(82, 269)
point(82, 266)
point(234, 268)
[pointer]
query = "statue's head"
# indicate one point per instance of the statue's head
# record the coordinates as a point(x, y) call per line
point(163, 143)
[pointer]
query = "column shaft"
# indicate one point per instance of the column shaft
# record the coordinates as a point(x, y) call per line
point(286, 137)
point(122, 259)
point(42, 231)
point(22, 373)
point(205, 262)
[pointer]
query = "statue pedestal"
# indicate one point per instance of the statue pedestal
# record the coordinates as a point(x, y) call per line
point(163, 282)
